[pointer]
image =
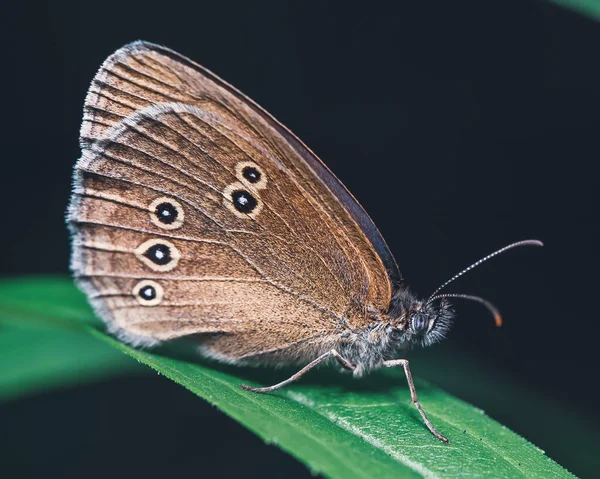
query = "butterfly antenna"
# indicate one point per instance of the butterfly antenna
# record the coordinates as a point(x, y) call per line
point(485, 302)
point(477, 263)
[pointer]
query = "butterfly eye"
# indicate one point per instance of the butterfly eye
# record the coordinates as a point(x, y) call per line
point(160, 255)
point(166, 213)
point(251, 174)
point(420, 322)
point(148, 293)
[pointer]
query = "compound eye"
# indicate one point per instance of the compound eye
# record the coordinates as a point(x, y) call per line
point(420, 322)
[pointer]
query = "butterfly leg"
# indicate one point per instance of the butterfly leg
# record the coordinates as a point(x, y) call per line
point(413, 394)
point(324, 357)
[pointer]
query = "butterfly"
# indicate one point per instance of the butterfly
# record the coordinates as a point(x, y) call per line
point(195, 213)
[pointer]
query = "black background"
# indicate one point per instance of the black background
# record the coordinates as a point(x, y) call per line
point(460, 127)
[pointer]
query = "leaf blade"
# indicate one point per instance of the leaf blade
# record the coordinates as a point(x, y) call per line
point(339, 427)
point(590, 8)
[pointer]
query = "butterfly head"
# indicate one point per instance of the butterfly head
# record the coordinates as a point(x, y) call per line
point(426, 322)
point(420, 323)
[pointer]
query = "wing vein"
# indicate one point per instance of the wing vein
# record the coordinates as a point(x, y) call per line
point(293, 233)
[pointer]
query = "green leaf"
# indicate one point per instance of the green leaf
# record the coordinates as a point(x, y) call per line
point(36, 354)
point(340, 427)
point(591, 8)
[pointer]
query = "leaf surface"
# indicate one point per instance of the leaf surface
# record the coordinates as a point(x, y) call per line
point(338, 426)
point(590, 8)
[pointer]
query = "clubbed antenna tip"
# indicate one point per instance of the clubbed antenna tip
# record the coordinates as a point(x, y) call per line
point(486, 303)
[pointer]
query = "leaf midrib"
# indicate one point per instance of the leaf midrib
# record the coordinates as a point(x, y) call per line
point(339, 423)
point(426, 472)
point(294, 425)
point(306, 426)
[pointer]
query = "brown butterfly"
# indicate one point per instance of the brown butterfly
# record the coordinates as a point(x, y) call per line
point(195, 212)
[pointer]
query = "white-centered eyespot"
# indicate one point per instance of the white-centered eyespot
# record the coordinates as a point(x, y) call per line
point(166, 213)
point(251, 174)
point(158, 254)
point(148, 293)
point(242, 202)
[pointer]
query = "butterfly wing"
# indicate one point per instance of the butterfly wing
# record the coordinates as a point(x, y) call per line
point(194, 211)
point(142, 74)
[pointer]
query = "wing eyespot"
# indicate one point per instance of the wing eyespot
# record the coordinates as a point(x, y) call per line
point(158, 254)
point(166, 213)
point(148, 293)
point(241, 201)
point(251, 174)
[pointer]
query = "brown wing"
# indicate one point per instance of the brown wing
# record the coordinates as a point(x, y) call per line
point(255, 241)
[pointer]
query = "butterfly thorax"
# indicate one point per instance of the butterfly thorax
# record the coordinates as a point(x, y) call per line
point(409, 322)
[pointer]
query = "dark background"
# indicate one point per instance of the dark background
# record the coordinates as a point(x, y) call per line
point(460, 127)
